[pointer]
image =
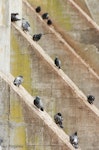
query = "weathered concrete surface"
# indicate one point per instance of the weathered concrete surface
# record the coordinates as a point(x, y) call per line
point(23, 125)
point(5, 35)
point(16, 7)
point(60, 94)
point(93, 6)
point(72, 64)
point(76, 30)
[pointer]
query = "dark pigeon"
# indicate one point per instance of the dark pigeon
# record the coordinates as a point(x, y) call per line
point(18, 80)
point(25, 25)
point(38, 103)
point(90, 99)
point(37, 37)
point(45, 16)
point(58, 119)
point(57, 62)
point(38, 9)
point(49, 22)
point(14, 17)
point(74, 140)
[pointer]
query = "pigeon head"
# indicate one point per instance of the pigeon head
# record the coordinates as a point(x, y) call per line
point(38, 9)
point(59, 114)
point(75, 133)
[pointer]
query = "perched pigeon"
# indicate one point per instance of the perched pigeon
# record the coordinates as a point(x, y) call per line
point(18, 80)
point(38, 9)
point(74, 140)
point(14, 17)
point(58, 119)
point(49, 22)
point(37, 37)
point(90, 99)
point(45, 16)
point(57, 62)
point(38, 103)
point(25, 25)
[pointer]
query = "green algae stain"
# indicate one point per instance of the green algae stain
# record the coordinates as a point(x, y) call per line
point(56, 10)
point(20, 137)
point(15, 111)
point(16, 117)
point(20, 62)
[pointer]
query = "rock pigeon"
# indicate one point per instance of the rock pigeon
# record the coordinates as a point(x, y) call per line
point(90, 99)
point(38, 9)
point(45, 16)
point(18, 80)
point(25, 25)
point(74, 140)
point(37, 37)
point(49, 22)
point(14, 17)
point(57, 62)
point(38, 103)
point(58, 119)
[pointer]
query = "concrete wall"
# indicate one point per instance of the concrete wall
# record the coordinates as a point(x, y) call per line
point(5, 35)
point(94, 9)
point(22, 125)
point(71, 63)
point(58, 96)
point(16, 7)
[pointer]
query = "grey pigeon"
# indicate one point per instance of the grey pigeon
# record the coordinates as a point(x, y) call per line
point(74, 140)
point(90, 99)
point(38, 103)
point(18, 80)
point(57, 62)
point(58, 119)
point(14, 17)
point(25, 25)
point(45, 16)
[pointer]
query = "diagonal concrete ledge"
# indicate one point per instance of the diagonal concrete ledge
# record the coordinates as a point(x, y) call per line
point(58, 35)
point(60, 73)
point(93, 23)
point(28, 99)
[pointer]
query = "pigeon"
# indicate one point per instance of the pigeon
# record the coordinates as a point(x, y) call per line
point(38, 9)
point(37, 37)
point(90, 99)
point(49, 22)
point(14, 17)
point(45, 16)
point(25, 25)
point(57, 62)
point(74, 140)
point(58, 119)
point(18, 80)
point(38, 103)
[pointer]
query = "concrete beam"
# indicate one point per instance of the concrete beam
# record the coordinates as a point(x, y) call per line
point(90, 21)
point(60, 72)
point(94, 9)
point(58, 134)
point(5, 35)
